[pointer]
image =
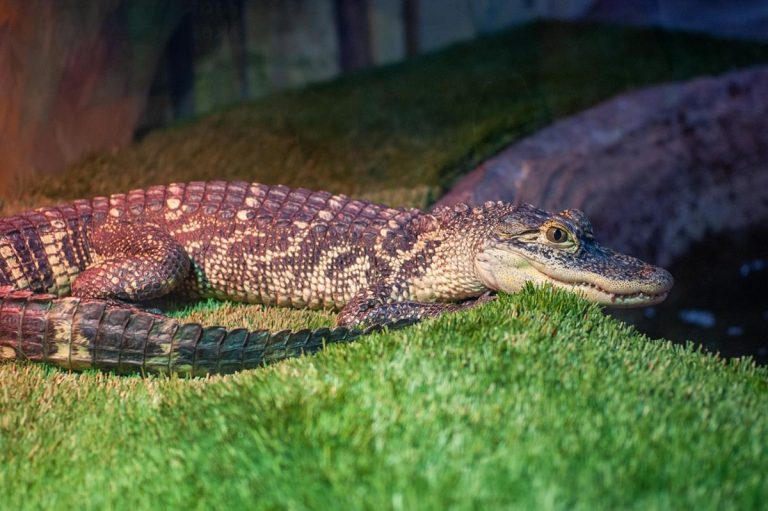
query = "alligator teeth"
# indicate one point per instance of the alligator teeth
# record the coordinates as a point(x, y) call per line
point(617, 297)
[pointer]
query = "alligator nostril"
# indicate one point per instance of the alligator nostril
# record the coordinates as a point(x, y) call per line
point(664, 279)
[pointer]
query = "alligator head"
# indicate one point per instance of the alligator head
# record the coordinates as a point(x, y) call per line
point(531, 245)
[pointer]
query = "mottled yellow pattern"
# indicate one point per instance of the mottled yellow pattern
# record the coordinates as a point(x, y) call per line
point(272, 245)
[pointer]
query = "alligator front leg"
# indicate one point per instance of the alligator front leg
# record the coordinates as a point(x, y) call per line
point(374, 307)
point(134, 262)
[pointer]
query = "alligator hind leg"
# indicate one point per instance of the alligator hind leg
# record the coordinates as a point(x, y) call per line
point(133, 262)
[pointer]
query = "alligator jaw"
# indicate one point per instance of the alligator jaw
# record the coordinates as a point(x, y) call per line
point(506, 271)
point(634, 284)
point(595, 293)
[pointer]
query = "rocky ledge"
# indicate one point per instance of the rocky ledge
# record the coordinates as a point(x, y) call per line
point(655, 169)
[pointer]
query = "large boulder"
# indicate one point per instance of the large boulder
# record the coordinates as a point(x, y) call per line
point(655, 169)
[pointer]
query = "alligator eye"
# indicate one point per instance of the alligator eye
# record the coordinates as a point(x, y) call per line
point(557, 235)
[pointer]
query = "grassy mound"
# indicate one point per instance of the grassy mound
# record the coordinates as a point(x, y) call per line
point(536, 401)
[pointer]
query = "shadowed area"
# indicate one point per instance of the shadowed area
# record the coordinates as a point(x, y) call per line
point(413, 125)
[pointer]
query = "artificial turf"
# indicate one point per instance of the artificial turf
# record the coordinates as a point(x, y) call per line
point(536, 401)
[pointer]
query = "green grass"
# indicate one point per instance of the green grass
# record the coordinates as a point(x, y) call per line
point(537, 401)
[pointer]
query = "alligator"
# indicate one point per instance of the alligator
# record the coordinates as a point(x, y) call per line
point(75, 278)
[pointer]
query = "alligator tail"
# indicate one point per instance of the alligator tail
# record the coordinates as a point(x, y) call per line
point(78, 334)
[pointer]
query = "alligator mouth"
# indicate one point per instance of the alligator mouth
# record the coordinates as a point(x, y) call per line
point(611, 298)
point(502, 271)
point(647, 286)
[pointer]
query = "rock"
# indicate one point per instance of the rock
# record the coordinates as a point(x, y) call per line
point(74, 77)
point(655, 169)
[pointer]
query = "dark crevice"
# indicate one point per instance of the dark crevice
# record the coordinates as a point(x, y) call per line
point(720, 298)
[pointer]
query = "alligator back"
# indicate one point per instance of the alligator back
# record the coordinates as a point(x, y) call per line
point(246, 241)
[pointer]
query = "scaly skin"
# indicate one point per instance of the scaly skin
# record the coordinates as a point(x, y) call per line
point(253, 243)
point(80, 334)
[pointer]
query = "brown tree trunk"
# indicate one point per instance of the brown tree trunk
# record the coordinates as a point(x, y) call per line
point(411, 27)
point(353, 31)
